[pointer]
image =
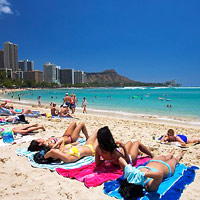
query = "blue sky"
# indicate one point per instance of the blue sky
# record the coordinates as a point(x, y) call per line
point(144, 40)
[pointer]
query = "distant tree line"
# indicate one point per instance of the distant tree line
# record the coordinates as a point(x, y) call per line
point(10, 83)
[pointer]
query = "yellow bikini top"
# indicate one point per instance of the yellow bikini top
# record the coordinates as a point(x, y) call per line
point(74, 151)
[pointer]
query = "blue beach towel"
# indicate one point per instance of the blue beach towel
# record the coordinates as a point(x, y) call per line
point(53, 166)
point(170, 188)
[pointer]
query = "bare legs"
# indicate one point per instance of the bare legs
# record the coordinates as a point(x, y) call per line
point(74, 131)
point(28, 128)
point(194, 140)
point(84, 109)
point(169, 159)
point(27, 111)
point(64, 112)
point(93, 139)
point(57, 154)
point(133, 149)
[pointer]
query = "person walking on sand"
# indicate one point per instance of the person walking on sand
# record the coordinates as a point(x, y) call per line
point(39, 101)
point(84, 103)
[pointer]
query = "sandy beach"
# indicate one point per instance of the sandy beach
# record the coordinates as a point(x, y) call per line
point(18, 180)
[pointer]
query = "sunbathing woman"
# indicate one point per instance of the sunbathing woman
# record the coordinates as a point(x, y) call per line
point(182, 139)
point(109, 150)
point(71, 134)
point(68, 153)
point(149, 176)
point(24, 130)
point(54, 111)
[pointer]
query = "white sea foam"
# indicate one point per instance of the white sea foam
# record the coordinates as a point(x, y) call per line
point(157, 88)
point(132, 88)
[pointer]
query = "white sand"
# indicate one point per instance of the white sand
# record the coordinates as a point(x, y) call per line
point(18, 180)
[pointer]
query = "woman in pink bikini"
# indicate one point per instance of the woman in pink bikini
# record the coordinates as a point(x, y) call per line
point(111, 151)
point(70, 136)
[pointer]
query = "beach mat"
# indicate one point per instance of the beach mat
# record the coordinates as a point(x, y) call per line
point(93, 176)
point(79, 163)
point(177, 144)
point(170, 188)
point(22, 139)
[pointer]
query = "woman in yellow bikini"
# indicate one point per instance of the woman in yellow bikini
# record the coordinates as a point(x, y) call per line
point(69, 153)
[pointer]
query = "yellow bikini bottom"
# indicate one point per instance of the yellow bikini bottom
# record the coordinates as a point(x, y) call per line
point(91, 147)
point(74, 151)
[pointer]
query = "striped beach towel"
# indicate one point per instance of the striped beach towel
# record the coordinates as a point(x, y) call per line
point(53, 166)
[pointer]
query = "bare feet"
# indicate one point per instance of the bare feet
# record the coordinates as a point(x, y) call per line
point(180, 156)
point(43, 128)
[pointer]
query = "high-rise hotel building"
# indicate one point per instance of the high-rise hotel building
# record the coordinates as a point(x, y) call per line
point(26, 65)
point(51, 73)
point(10, 56)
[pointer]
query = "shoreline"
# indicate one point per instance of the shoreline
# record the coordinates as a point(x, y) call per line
point(191, 120)
point(170, 120)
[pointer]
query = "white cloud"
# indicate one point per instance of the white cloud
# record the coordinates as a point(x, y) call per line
point(5, 7)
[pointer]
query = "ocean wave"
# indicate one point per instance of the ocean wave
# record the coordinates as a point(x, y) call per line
point(132, 88)
point(157, 88)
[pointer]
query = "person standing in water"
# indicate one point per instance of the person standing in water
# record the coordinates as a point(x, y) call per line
point(39, 100)
point(84, 103)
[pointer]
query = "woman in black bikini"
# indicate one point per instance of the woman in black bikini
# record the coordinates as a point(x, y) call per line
point(70, 136)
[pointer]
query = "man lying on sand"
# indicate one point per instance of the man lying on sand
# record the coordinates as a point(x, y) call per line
point(182, 139)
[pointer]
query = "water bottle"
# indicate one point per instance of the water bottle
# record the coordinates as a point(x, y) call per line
point(8, 136)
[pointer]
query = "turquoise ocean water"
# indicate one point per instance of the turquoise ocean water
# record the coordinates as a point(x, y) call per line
point(185, 101)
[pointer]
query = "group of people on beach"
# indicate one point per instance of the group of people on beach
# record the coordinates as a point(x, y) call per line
point(69, 103)
point(102, 145)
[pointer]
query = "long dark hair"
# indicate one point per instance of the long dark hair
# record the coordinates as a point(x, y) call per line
point(39, 156)
point(106, 140)
point(34, 146)
point(130, 190)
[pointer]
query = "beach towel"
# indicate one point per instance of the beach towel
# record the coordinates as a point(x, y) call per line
point(79, 163)
point(18, 139)
point(5, 112)
point(170, 188)
point(53, 116)
point(3, 123)
point(93, 176)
